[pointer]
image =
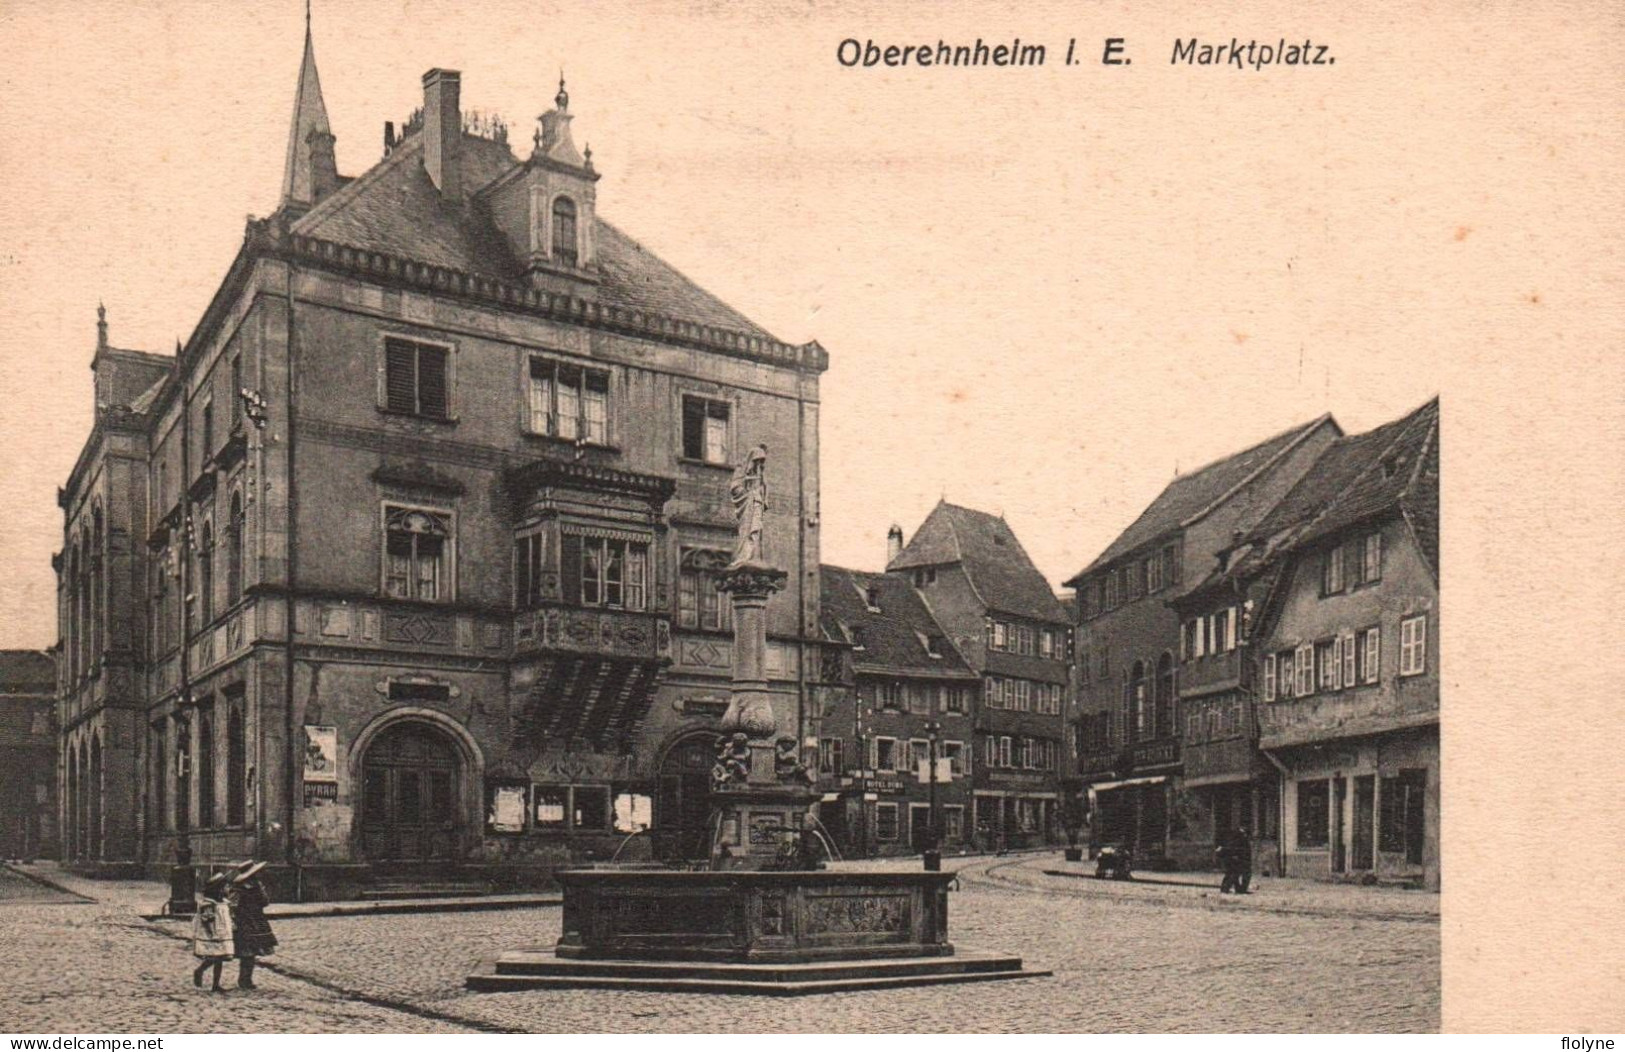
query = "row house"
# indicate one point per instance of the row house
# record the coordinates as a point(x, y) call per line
point(405, 562)
point(28, 780)
point(1134, 662)
point(895, 694)
point(1347, 651)
point(1000, 613)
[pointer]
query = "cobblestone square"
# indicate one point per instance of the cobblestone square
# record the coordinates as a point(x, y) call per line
point(1295, 957)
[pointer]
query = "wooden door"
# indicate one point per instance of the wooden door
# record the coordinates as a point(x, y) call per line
point(409, 795)
point(1365, 807)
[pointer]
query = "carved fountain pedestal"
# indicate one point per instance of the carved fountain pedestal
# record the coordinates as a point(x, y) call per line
point(749, 925)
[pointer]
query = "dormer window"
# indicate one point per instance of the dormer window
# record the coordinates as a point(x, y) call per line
point(564, 231)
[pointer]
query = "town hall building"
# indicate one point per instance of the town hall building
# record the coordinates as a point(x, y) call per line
point(404, 562)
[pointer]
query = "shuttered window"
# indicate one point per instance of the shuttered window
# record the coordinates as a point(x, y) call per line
point(1269, 677)
point(415, 378)
point(1373, 656)
point(1348, 661)
point(1413, 643)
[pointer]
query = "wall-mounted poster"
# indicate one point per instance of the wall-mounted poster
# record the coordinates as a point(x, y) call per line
point(505, 809)
point(321, 754)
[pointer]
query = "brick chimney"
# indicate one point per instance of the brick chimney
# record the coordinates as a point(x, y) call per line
point(894, 543)
point(443, 130)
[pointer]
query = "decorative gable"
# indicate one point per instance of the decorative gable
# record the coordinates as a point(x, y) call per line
point(547, 209)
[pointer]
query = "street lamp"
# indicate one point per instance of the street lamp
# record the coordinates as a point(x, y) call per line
point(932, 855)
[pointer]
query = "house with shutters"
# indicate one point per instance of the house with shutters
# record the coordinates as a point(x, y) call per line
point(403, 564)
point(1001, 614)
point(1345, 646)
point(893, 692)
point(1128, 758)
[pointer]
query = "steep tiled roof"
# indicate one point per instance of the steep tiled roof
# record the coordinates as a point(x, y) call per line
point(394, 208)
point(1189, 497)
point(1394, 466)
point(26, 672)
point(987, 549)
point(1402, 472)
point(890, 638)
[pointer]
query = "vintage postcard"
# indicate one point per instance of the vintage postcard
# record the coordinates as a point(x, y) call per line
point(776, 517)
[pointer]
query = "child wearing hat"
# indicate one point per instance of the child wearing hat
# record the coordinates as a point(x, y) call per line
point(211, 930)
point(251, 932)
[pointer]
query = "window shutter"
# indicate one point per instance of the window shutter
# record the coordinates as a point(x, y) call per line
point(1348, 660)
point(1269, 677)
point(1373, 655)
point(400, 377)
point(433, 385)
point(1230, 629)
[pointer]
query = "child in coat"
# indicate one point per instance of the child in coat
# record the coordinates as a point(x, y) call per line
point(211, 930)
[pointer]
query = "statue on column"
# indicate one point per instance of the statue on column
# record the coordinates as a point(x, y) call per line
point(748, 492)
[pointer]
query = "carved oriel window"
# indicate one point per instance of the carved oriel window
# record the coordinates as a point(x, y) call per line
point(531, 568)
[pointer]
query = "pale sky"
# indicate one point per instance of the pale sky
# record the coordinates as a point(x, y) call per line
point(1042, 290)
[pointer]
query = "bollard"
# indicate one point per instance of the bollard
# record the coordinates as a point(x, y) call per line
point(182, 883)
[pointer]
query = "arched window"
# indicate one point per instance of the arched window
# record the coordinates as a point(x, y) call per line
point(205, 765)
point(84, 602)
point(234, 551)
point(205, 576)
point(564, 231)
point(236, 761)
point(70, 626)
point(98, 585)
point(1165, 695)
point(1140, 701)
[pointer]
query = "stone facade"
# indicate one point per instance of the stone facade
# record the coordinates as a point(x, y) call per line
point(999, 612)
point(411, 552)
point(1359, 760)
point(1128, 738)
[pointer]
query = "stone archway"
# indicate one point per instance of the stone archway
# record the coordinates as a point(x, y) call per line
point(415, 783)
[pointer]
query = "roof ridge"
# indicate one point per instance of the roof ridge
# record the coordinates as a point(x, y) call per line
point(1227, 458)
point(1427, 444)
point(344, 194)
point(1308, 526)
point(1303, 432)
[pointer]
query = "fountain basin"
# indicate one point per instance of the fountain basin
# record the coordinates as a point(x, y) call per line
point(744, 916)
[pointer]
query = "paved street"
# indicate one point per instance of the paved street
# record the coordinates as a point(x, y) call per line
point(1296, 956)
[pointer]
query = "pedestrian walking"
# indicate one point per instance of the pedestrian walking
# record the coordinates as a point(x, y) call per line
point(1236, 851)
point(252, 937)
point(211, 930)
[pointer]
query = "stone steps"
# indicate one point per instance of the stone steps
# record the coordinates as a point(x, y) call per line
point(531, 970)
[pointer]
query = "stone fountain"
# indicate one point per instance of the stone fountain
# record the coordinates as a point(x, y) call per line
point(755, 921)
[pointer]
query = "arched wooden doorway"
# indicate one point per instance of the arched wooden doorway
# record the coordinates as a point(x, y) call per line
point(410, 794)
point(683, 808)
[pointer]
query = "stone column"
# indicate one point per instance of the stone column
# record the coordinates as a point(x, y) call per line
point(749, 710)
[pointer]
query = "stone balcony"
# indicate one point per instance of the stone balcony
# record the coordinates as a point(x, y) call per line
point(582, 630)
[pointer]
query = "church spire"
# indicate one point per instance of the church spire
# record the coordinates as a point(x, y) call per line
point(299, 181)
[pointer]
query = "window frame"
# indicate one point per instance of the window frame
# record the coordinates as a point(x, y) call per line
point(1415, 625)
point(880, 824)
point(553, 429)
point(554, 238)
point(450, 379)
point(448, 575)
point(707, 403)
point(1314, 820)
point(602, 582)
